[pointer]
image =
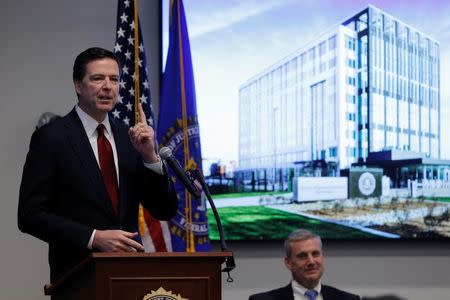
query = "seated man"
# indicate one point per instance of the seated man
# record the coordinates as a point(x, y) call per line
point(304, 258)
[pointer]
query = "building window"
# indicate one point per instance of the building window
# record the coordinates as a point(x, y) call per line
point(351, 151)
point(323, 67)
point(322, 48)
point(350, 134)
point(332, 62)
point(332, 43)
point(333, 152)
point(351, 43)
point(312, 54)
point(351, 81)
point(351, 99)
point(351, 63)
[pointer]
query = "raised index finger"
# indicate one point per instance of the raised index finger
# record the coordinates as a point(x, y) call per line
point(142, 115)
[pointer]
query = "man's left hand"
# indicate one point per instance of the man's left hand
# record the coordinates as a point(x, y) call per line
point(142, 137)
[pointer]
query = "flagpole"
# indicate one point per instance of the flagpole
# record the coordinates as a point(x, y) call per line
point(190, 245)
point(137, 118)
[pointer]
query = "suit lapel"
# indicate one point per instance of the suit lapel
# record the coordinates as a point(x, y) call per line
point(327, 294)
point(287, 293)
point(77, 138)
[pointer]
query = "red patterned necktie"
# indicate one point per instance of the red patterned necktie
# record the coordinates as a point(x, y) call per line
point(107, 167)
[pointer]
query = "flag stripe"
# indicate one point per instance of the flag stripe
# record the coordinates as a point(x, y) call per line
point(156, 233)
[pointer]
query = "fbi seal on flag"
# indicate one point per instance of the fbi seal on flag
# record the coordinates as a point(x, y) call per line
point(162, 294)
point(189, 227)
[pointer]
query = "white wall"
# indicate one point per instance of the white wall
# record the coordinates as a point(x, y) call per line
point(39, 41)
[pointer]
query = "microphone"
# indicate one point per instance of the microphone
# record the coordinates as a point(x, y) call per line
point(186, 178)
point(229, 260)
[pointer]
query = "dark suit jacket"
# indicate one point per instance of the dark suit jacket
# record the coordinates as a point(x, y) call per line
point(62, 196)
point(286, 293)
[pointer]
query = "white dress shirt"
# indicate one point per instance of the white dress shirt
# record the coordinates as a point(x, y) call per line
point(90, 126)
point(299, 291)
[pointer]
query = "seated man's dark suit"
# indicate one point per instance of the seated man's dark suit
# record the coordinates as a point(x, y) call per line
point(286, 293)
point(63, 198)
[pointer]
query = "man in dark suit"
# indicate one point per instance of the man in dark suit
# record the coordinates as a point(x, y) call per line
point(85, 174)
point(304, 258)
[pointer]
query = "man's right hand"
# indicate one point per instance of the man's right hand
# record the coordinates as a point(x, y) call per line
point(116, 241)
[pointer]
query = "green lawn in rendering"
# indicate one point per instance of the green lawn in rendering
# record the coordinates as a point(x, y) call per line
point(263, 223)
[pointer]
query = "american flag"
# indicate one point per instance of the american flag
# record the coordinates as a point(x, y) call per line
point(155, 234)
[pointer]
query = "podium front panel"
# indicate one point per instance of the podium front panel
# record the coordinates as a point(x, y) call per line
point(190, 278)
point(136, 288)
point(143, 276)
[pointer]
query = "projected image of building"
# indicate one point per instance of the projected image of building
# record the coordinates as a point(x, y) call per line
point(368, 85)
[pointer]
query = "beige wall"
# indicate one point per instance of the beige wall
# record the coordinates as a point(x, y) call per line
point(39, 42)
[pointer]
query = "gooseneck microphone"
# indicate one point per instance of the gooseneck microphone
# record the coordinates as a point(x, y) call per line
point(186, 178)
point(229, 260)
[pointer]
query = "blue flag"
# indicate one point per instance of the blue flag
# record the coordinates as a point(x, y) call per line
point(155, 234)
point(178, 129)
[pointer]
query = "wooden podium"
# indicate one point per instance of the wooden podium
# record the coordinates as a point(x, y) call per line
point(138, 276)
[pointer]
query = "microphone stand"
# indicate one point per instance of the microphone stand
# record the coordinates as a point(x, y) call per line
point(229, 260)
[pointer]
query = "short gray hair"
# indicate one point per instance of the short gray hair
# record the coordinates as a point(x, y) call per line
point(299, 235)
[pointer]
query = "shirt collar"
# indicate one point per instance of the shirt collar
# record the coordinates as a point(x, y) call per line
point(90, 124)
point(300, 289)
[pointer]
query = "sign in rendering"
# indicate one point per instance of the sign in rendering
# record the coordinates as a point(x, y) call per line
point(320, 188)
point(365, 182)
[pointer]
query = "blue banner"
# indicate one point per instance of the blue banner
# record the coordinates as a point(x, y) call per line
point(178, 129)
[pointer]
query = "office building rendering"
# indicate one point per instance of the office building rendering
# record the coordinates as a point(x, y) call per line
point(368, 85)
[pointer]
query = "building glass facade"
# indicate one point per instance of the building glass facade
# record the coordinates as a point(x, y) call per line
point(369, 84)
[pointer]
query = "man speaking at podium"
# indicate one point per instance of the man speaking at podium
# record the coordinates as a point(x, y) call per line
point(85, 174)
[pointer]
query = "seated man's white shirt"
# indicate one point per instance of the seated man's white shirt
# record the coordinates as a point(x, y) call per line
point(299, 291)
